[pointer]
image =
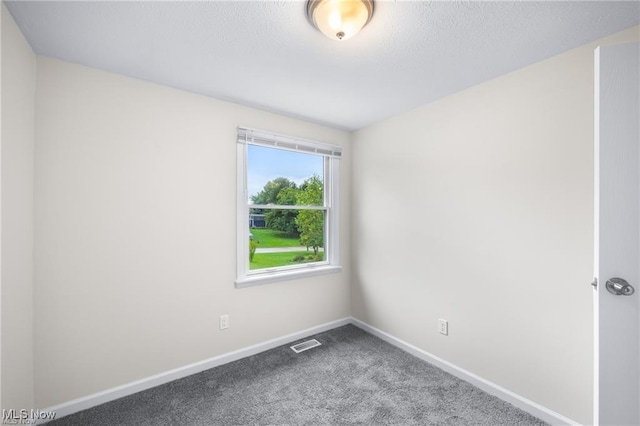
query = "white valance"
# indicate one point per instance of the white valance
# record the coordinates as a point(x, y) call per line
point(289, 143)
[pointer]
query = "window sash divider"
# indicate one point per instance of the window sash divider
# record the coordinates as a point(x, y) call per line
point(285, 207)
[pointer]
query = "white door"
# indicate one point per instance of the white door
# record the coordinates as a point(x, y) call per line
point(617, 235)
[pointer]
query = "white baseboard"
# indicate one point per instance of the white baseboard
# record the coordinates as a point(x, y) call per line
point(521, 402)
point(98, 398)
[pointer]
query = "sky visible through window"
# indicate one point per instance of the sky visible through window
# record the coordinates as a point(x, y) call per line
point(265, 164)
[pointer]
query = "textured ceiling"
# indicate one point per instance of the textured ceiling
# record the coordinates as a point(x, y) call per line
point(265, 54)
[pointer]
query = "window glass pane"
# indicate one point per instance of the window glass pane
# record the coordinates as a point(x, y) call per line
point(285, 237)
point(276, 176)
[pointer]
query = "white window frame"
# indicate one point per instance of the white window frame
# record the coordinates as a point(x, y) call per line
point(331, 159)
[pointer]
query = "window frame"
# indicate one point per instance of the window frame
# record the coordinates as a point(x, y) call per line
point(331, 154)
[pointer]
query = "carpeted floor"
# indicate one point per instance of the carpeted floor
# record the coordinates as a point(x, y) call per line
point(353, 378)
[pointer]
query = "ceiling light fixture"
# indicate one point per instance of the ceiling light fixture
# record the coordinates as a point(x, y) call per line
point(339, 19)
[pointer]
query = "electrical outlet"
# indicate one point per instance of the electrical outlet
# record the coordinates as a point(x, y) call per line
point(224, 322)
point(443, 327)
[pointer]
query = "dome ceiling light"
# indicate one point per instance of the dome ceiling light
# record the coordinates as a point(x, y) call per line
point(339, 19)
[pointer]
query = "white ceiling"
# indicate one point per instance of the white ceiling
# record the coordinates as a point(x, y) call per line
point(265, 54)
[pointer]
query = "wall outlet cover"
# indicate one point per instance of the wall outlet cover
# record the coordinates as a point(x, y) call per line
point(443, 327)
point(224, 322)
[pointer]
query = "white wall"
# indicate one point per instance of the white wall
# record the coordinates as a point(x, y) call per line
point(2, 12)
point(478, 208)
point(135, 233)
point(18, 86)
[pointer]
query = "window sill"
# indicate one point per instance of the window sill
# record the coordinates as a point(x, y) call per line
point(268, 278)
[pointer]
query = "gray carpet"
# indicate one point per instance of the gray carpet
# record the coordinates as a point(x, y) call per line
point(353, 378)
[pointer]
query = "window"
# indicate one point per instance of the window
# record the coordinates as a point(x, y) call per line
point(287, 207)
